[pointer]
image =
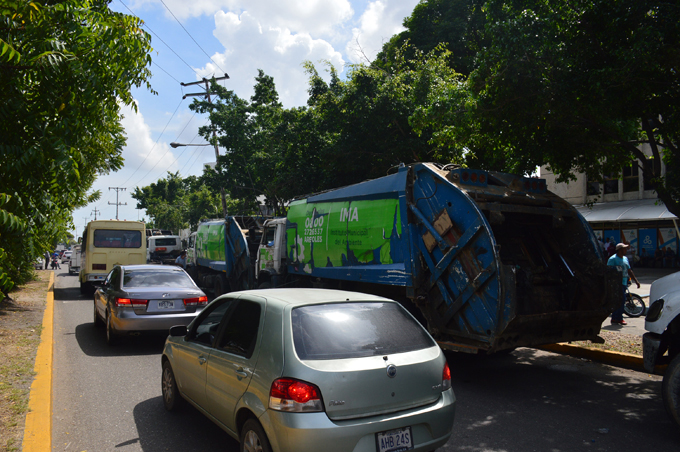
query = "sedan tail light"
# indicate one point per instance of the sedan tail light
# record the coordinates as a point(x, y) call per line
point(135, 303)
point(200, 301)
point(446, 377)
point(288, 394)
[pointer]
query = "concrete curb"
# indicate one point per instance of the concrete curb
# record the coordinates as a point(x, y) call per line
point(38, 427)
point(617, 359)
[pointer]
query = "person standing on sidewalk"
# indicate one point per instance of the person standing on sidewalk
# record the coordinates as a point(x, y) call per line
point(620, 260)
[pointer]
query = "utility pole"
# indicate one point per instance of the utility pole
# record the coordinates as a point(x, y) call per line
point(117, 203)
point(206, 94)
point(95, 213)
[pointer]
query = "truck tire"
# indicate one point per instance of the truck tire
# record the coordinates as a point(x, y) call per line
point(84, 288)
point(670, 389)
point(218, 287)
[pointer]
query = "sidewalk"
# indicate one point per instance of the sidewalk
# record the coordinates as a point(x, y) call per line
point(636, 326)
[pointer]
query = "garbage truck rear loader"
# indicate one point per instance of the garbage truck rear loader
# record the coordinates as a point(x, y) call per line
point(488, 261)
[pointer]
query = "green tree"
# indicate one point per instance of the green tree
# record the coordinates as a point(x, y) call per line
point(66, 68)
point(578, 86)
point(175, 203)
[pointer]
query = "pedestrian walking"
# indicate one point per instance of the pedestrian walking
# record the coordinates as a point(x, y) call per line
point(182, 260)
point(620, 261)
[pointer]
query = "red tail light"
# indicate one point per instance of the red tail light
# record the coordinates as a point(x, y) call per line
point(446, 377)
point(135, 303)
point(288, 394)
point(200, 301)
point(123, 302)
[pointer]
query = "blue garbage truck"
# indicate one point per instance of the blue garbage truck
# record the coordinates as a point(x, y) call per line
point(488, 261)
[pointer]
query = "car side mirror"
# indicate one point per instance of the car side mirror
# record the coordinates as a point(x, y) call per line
point(178, 331)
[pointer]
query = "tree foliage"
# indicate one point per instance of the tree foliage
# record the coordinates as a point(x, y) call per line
point(578, 86)
point(66, 68)
point(175, 203)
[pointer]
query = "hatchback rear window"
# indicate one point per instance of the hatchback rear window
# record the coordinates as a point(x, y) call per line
point(355, 330)
point(152, 278)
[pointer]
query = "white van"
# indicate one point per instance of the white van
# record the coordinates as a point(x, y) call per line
point(163, 248)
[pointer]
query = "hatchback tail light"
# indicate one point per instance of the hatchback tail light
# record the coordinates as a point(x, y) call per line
point(446, 377)
point(200, 301)
point(288, 394)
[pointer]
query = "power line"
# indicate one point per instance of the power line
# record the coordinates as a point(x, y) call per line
point(192, 38)
point(160, 39)
point(118, 189)
point(159, 67)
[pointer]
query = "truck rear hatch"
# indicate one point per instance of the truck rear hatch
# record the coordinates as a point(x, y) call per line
point(504, 262)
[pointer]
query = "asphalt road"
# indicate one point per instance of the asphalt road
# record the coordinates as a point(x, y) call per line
point(109, 398)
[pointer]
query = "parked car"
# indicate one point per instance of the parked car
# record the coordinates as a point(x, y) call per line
point(39, 263)
point(137, 298)
point(297, 370)
point(66, 257)
point(661, 342)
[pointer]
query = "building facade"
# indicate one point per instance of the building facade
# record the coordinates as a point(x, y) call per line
point(622, 208)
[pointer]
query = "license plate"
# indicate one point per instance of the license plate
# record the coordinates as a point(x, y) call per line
point(166, 304)
point(396, 440)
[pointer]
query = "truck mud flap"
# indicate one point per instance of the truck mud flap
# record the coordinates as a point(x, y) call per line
point(237, 257)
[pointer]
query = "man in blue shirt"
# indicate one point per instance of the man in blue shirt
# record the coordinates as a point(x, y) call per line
point(621, 261)
point(182, 260)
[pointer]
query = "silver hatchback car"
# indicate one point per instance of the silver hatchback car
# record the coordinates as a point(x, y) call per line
point(296, 370)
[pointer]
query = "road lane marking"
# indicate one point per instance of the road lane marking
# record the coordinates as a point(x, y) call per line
point(38, 427)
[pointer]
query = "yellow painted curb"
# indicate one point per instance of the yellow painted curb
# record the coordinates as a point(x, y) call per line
point(618, 359)
point(38, 429)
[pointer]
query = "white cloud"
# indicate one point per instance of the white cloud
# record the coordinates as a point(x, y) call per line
point(141, 150)
point(250, 45)
point(380, 21)
point(318, 17)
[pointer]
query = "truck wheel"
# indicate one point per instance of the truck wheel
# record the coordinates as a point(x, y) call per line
point(84, 288)
point(670, 389)
point(218, 288)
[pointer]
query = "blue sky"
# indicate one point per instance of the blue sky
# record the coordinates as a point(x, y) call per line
point(237, 37)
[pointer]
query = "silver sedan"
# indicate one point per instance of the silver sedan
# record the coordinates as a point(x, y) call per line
point(304, 370)
point(137, 298)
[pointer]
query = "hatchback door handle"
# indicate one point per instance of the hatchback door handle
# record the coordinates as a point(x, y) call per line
point(240, 373)
point(201, 360)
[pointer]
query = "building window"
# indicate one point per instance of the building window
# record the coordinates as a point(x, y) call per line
point(611, 184)
point(631, 180)
point(592, 187)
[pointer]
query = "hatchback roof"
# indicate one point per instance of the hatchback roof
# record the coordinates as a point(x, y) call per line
point(311, 296)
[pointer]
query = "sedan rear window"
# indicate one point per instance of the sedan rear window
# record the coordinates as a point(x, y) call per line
point(355, 330)
point(154, 278)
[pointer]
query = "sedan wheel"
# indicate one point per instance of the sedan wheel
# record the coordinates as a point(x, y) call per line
point(253, 438)
point(97, 320)
point(110, 332)
point(171, 398)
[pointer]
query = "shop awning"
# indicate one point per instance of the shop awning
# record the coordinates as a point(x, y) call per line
point(638, 210)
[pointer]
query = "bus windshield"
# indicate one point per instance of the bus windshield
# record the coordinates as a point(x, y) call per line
point(111, 238)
